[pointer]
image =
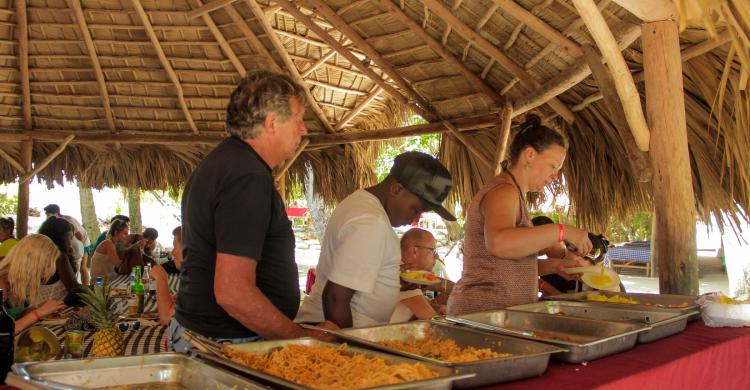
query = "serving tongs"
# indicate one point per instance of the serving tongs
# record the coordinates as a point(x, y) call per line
point(204, 344)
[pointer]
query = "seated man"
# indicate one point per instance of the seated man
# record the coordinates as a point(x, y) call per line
point(418, 253)
point(164, 296)
point(357, 282)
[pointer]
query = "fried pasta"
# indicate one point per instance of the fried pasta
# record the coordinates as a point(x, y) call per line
point(443, 349)
point(612, 299)
point(329, 368)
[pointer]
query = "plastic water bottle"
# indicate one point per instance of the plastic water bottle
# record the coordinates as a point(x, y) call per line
point(99, 281)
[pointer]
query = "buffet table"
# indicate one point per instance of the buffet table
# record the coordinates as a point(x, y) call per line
point(698, 358)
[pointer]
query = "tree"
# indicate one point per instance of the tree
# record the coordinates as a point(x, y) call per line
point(134, 209)
point(315, 206)
point(88, 212)
point(8, 204)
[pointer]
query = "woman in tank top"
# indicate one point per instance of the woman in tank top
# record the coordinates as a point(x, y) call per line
point(501, 245)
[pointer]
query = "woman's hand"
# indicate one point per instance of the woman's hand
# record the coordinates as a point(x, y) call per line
point(49, 307)
point(579, 238)
point(571, 261)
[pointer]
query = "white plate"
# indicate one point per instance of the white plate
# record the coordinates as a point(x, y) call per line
point(590, 279)
point(420, 281)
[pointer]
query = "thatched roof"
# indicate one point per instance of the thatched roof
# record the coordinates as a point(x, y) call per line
point(143, 86)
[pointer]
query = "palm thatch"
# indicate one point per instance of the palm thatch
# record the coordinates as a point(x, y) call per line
point(147, 103)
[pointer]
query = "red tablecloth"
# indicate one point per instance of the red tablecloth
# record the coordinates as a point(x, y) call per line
point(698, 358)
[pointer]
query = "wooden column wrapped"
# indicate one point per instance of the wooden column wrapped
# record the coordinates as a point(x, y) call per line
point(673, 247)
point(22, 218)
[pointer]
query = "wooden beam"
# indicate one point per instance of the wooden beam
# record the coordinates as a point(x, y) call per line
point(638, 159)
point(250, 35)
point(358, 109)
point(340, 49)
point(204, 9)
point(626, 32)
point(674, 249)
point(626, 89)
point(688, 54)
point(469, 145)
point(164, 62)
point(43, 164)
point(650, 10)
point(22, 216)
point(12, 161)
point(288, 63)
point(23, 63)
point(335, 87)
point(288, 163)
point(438, 48)
point(320, 61)
point(375, 56)
point(469, 34)
point(540, 26)
point(503, 135)
point(91, 49)
point(221, 40)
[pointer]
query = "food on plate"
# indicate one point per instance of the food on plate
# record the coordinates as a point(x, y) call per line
point(328, 367)
point(36, 344)
point(420, 276)
point(611, 299)
point(443, 349)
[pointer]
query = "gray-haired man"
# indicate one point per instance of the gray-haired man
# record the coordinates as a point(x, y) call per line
point(239, 280)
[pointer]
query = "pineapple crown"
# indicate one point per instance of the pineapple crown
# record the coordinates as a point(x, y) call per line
point(101, 306)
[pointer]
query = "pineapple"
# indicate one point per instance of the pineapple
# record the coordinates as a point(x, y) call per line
point(107, 338)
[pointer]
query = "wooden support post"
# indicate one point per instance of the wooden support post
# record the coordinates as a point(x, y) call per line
point(12, 161)
point(38, 168)
point(506, 115)
point(164, 62)
point(467, 143)
point(626, 89)
point(650, 10)
point(288, 63)
point(91, 49)
point(638, 160)
point(22, 31)
point(22, 218)
point(674, 248)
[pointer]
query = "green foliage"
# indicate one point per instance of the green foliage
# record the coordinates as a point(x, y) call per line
point(635, 228)
point(429, 144)
point(8, 204)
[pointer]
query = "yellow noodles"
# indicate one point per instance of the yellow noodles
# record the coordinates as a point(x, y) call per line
point(443, 349)
point(329, 368)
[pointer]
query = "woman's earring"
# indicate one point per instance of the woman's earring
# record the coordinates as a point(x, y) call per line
point(526, 165)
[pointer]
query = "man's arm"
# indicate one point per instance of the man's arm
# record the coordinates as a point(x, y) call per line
point(420, 307)
point(237, 293)
point(337, 304)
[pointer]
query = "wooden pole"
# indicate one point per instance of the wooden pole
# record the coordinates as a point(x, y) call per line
point(674, 248)
point(503, 135)
point(626, 89)
point(467, 143)
point(29, 174)
point(358, 108)
point(22, 31)
point(22, 218)
point(12, 161)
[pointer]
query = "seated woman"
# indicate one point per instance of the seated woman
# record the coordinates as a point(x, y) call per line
point(106, 259)
point(64, 279)
point(32, 260)
point(7, 239)
point(501, 268)
point(164, 298)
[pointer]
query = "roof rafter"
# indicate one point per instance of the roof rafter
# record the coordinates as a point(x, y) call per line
point(359, 108)
point(23, 62)
point(250, 35)
point(320, 61)
point(291, 67)
point(164, 62)
point(438, 48)
point(221, 40)
point(91, 49)
point(540, 26)
point(205, 8)
point(438, 8)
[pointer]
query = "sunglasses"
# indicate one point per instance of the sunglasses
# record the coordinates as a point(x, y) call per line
point(430, 248)
point(135, 325)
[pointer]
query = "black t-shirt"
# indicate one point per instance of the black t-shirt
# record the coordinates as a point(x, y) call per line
point(230, 205)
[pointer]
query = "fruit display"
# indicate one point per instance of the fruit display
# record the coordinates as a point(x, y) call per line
point(36, 344)
point(107, 338)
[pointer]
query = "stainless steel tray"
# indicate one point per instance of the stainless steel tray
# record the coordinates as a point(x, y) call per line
point(168, 369)
point(584, 339)
point(649, 301)
point(529, 358)
point(663, 322)
point(443, 382)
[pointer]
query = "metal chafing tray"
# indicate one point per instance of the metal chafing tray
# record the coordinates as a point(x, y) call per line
point(584, 339)
point(529, 358)
point(663, 322)
point(681, 303)
point(155, 371)
point(443, 382)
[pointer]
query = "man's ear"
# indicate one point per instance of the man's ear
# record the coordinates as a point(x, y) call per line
point(270, 122)
point(396, 188)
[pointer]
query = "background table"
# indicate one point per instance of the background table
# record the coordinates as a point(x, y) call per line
point(631, 255)
point(698, 358)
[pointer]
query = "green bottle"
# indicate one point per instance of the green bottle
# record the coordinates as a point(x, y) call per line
point(137, 289)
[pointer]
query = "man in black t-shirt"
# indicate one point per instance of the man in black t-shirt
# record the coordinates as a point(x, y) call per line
point(238, 280)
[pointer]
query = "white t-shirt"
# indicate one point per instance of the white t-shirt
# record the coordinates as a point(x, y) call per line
point(402, 313)
point(360, 251)
point(77, 227)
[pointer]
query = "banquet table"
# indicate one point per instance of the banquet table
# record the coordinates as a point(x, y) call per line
point(698, 358)
point(148, 338)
